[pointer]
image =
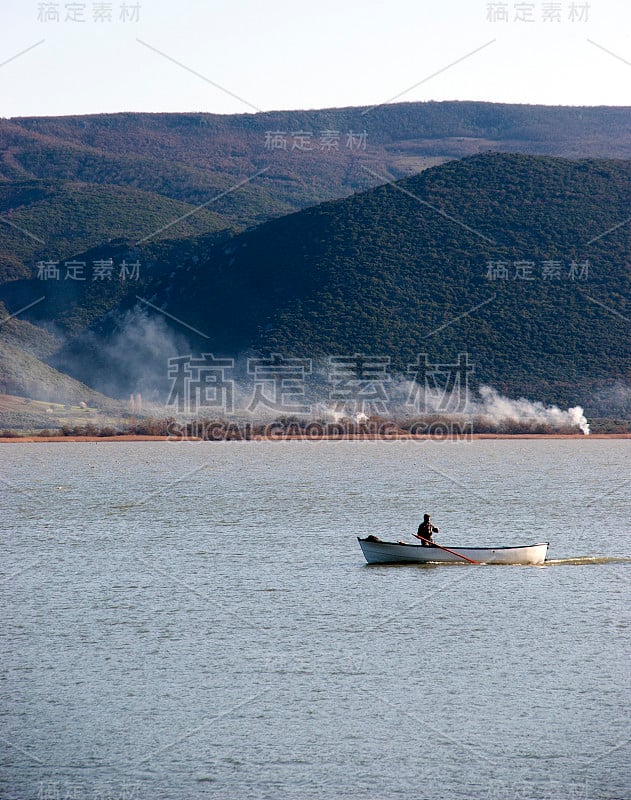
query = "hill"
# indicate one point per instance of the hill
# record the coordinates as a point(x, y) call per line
point(24, 372)
point(47, 220)
point(75, 183)
point(417, 267)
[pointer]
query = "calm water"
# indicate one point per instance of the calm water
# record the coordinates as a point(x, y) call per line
point(197, 621)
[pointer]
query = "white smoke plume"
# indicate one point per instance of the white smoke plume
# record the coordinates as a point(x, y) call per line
point(327, 413)
point(613, 400)
point(498, 408)
point(489, 405)
point(406, 399)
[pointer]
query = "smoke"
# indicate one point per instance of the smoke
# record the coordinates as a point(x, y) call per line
point(133, 357)
point(129, 355)
point(325, 413)
point(612, 401)
point(406, 399)
point(137, 354)
point(497, 408)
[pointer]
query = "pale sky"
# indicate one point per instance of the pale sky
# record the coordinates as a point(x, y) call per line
point(286, 54)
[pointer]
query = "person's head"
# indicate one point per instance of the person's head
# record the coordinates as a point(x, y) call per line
point(426, 518)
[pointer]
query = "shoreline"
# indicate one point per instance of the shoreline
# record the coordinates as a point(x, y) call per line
point(350, 437)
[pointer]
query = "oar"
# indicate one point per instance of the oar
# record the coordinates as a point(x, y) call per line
point(446, 549)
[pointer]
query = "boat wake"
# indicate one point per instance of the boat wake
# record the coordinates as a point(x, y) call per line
point(581, 561)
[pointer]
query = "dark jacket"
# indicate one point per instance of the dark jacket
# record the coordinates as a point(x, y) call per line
point(425, 529)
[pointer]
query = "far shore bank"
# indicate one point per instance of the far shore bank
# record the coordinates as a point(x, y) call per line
point(351, 437)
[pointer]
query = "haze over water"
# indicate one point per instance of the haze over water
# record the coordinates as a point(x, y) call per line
point(197, 621)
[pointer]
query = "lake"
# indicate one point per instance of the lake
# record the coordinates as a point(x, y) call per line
point(196, 620)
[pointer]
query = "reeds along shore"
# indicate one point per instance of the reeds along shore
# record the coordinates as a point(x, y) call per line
point(286, 438)
point(292, 429)
point(432, 426)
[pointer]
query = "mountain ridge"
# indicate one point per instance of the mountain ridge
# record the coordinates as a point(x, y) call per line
point(193, 158)
point(404, 268)
point(93, 186)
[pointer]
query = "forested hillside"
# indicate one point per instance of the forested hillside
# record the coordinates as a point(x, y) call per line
point(68, 184)
point(521, 261)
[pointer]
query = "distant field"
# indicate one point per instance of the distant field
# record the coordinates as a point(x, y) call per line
point(23, 414)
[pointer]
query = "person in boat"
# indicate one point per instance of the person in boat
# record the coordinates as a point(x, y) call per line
point(425, 530)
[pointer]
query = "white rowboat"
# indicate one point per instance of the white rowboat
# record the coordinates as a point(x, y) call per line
point(376, 551)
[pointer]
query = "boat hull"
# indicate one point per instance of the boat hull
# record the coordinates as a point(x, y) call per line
point(376, 551)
